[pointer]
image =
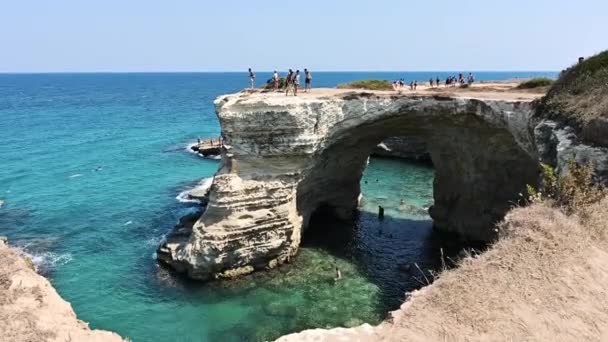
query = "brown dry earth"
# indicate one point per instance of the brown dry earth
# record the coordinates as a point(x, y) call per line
point(544, 280)
point(506, 91)
point(32, 311)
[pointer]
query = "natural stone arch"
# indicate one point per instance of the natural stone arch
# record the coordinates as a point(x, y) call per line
point(284, 157)
point(480, 169)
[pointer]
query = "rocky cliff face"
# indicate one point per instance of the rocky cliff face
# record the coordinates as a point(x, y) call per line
point(284, 158)
point(405, 147)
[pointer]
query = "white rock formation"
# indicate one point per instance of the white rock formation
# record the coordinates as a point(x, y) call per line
point(285, 157)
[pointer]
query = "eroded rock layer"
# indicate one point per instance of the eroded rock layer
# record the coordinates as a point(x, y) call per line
point(285, 157)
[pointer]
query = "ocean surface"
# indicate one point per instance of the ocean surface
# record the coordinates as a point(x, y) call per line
point(91, 165)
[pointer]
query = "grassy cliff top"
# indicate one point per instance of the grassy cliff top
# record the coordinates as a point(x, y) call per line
point(536, 82)
point(580, 98)
point(367, 85)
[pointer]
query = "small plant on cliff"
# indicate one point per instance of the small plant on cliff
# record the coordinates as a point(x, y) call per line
point(577, 189)
point(270, 85)
point(548, 188)
point(574, 191)
point(536, 83)
point(367, 85)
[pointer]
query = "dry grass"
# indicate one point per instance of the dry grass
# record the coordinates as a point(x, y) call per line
point(544, 280)
point(580, 98)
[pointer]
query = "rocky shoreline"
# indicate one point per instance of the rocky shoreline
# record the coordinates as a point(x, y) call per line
point(31, 309)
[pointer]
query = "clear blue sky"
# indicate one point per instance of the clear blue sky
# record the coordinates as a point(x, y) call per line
point(224, 35)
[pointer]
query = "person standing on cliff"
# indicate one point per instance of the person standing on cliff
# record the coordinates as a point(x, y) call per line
point(275, 80)
point(307, 80)
point(296, 82)
point(288, 81)
point(251, 78)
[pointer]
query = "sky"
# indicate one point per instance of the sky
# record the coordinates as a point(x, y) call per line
point(231, 35)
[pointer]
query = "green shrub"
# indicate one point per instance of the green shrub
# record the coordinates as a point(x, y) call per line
point(270, 85)
point(575, 191)
point(536, 83)
point(367, 85)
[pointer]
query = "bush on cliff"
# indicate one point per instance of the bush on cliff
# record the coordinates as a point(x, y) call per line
point(367, 85)
point(580, 98)
point(573, 192)
point(535, 83)
point(270, 85)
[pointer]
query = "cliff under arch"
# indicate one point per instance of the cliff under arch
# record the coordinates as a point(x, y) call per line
point(285, 156)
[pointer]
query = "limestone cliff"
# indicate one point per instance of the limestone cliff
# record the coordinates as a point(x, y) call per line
point(285, 157)
point(404, 147)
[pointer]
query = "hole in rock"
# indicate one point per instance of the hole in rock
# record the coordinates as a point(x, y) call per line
point(383, 252)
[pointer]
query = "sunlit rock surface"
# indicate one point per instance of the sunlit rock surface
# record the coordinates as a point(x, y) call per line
point(285, 157)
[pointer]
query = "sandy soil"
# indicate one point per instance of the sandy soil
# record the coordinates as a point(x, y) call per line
point(545, 280)
point(32, 311)
point(506, 91)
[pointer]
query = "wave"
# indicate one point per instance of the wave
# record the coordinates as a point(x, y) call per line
point(155, 241)
point(184, 197)
point(37, 251)
point(195, 194)
point(76, 175)
point(190, 145)
point(50, 260)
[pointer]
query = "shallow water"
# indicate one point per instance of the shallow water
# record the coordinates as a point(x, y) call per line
point(91, 168)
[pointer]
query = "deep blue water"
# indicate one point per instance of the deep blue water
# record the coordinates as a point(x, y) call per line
point(91, 166)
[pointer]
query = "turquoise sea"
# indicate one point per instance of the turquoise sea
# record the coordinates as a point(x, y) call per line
point(91, 165)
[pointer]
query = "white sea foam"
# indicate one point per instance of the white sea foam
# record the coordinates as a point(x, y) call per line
point(128, 223)
point(155, 241)
point(76, 175)
point(202, 187)
point(50, 260)
point(190, 145)
point(184, 197)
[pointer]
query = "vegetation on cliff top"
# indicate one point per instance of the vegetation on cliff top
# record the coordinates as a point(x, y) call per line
point(367, 85)
point(535, 83)
point(269, 85)
point(580, 98)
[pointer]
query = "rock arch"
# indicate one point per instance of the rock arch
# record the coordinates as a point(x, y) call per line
point(285, 157)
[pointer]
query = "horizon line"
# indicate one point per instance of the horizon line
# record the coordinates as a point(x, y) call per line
point(245, 71)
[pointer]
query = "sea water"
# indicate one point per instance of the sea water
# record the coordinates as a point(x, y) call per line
point(91, 165)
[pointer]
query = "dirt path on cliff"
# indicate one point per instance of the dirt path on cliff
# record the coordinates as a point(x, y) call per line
point(545, 280)
point(31, 310)
point(499, 91)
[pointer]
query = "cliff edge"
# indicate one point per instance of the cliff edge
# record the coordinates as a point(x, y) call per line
point(31, 309)
point(544, 280)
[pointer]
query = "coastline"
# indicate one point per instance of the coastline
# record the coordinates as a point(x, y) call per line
point(418, 301)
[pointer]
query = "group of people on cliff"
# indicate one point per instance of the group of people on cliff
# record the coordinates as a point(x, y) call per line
point(398, 85)
point(290, 83)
